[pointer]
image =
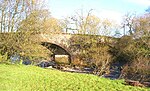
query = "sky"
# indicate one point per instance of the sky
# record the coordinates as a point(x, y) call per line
point(111, 9)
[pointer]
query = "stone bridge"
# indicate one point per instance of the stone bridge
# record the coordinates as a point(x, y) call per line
point(59, 41)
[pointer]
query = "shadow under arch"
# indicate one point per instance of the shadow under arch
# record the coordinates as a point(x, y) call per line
point(57, 49)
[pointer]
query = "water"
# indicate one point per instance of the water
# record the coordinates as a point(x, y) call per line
point(115, 71)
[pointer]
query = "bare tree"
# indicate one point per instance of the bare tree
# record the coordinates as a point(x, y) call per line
point(14, 11)
point(18, 16)
point(128, 23)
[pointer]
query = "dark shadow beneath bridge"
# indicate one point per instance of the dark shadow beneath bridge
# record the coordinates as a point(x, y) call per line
point(58, 51)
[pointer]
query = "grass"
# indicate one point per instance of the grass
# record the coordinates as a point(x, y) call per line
point(31, 78)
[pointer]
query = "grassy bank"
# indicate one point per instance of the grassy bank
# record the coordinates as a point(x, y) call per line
point(31, 78)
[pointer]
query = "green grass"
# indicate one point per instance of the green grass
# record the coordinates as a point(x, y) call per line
point(31, 78)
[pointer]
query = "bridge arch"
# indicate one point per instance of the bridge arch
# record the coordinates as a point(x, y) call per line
point(57, 49)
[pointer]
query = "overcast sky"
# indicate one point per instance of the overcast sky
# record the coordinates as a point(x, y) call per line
point(112, 9)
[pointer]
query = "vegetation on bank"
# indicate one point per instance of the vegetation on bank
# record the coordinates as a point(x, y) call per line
point(131, 50)
point(29, 78)
point(29, 17)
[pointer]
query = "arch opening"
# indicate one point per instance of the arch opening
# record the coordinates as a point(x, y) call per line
point(60, 54)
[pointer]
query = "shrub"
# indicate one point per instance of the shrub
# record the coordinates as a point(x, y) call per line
point(135, 54)
point(91, 52)
point(139, 70)
point(3, 58)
